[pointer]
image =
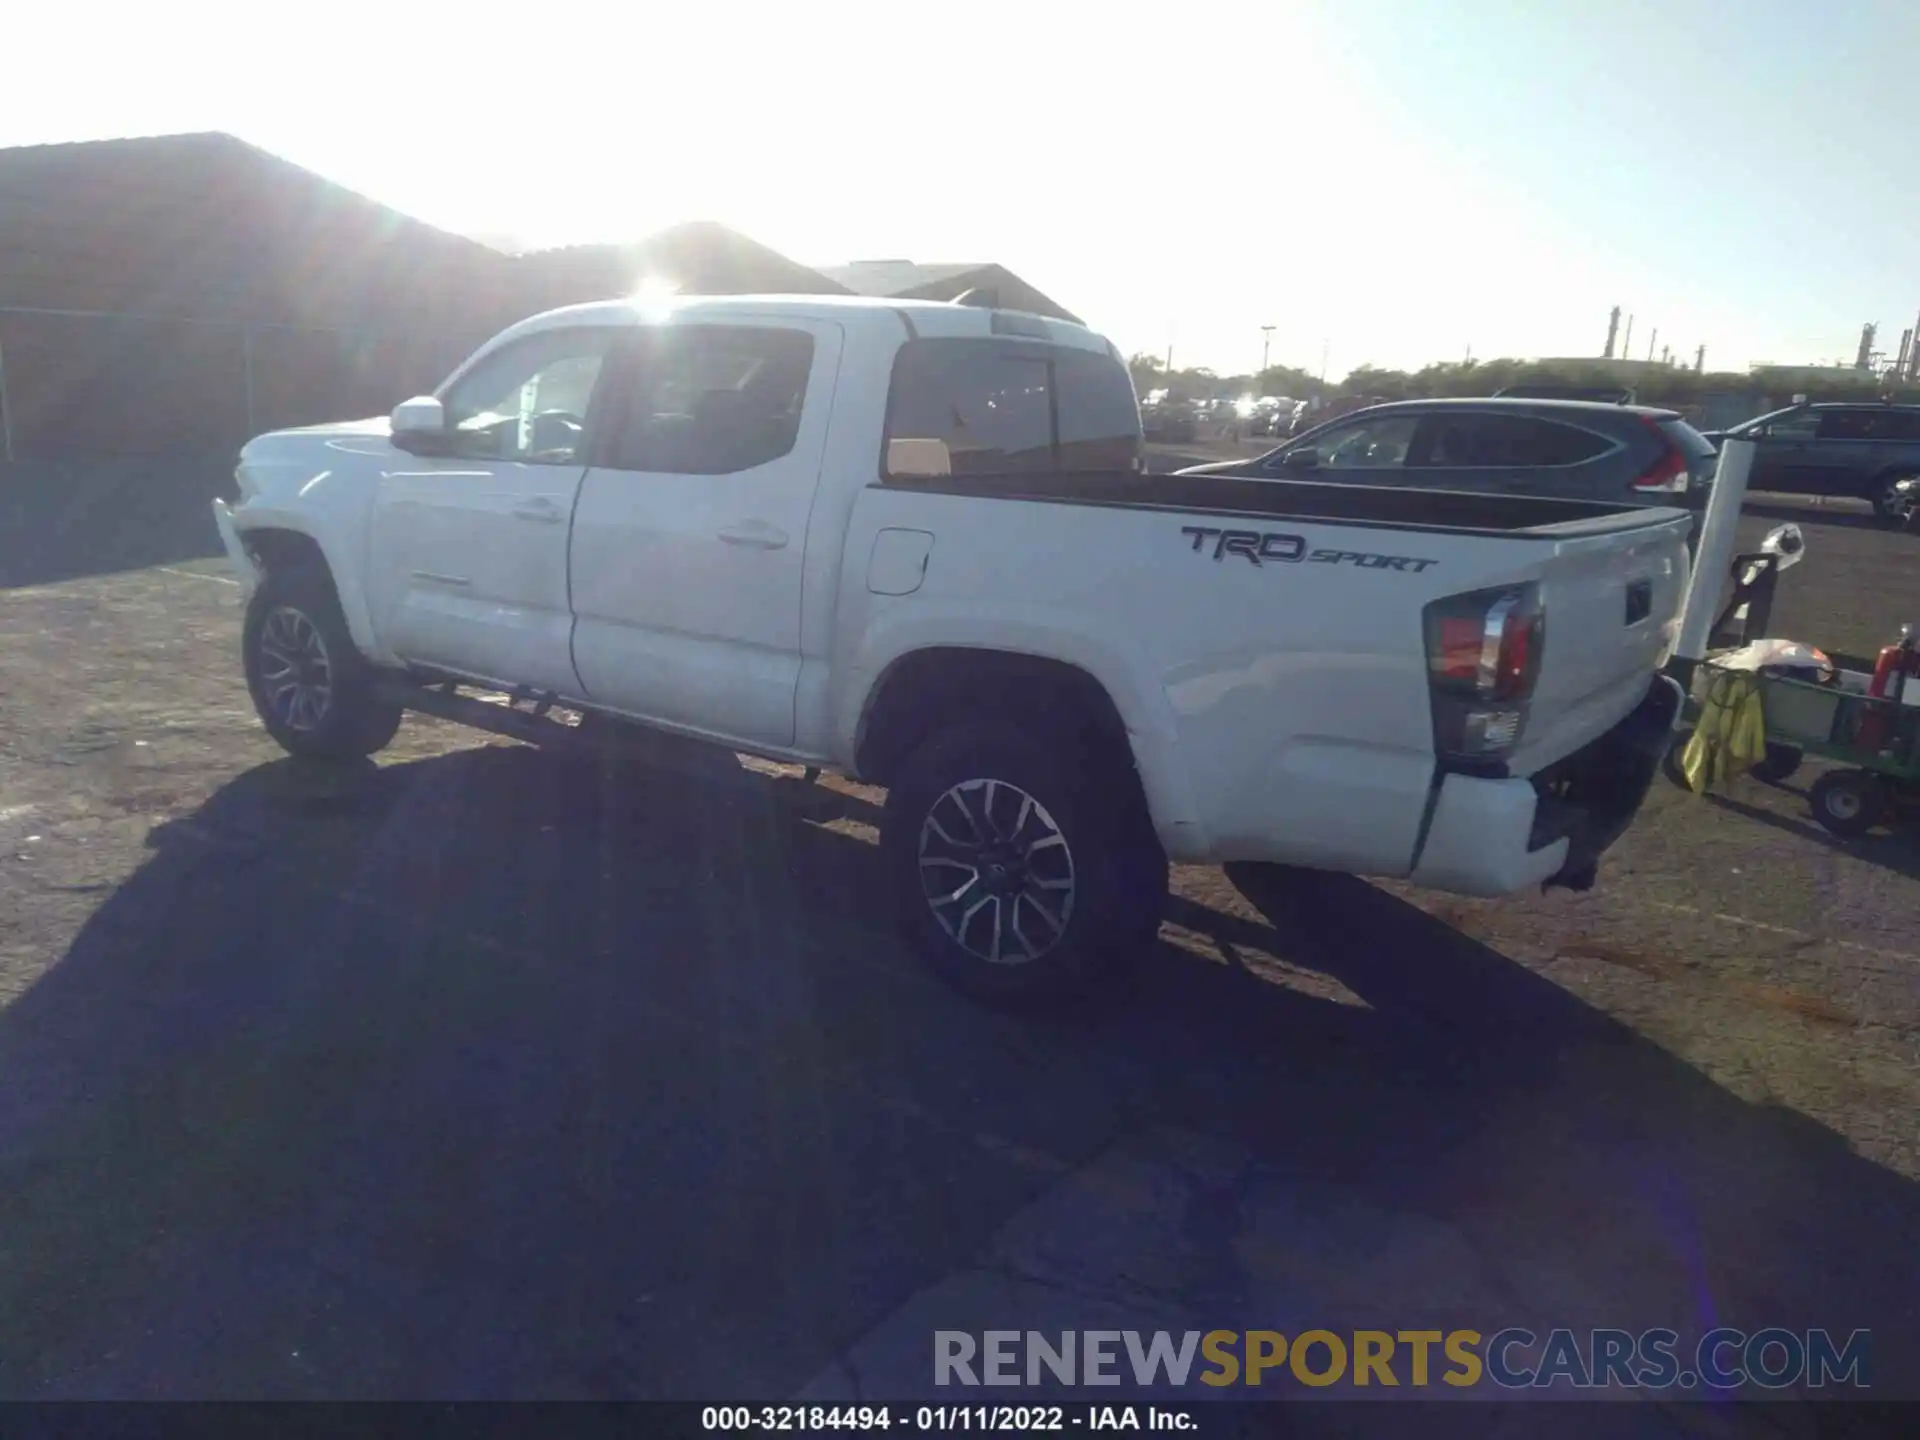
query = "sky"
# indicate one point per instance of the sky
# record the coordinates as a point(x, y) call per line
point(1381, 181)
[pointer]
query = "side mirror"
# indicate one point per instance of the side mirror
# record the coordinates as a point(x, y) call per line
point(419, 425)
point(1306, 458)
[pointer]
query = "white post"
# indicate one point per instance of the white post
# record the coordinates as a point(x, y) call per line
point(1719, 529)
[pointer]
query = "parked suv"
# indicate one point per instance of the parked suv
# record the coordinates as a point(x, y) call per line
point(1565, 449)
point(1857, 451)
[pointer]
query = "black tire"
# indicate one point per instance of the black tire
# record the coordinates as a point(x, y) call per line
point(1780, 763)
point(294, 611)
point(1847, 802)
point(1114, 871)
point(1888, 503)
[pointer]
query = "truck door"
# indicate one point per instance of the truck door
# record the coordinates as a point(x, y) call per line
point(689, 539)
point(467, 561)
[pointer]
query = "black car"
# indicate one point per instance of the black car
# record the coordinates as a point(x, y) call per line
point(1169, 419)
point(1857, 451)
point(1568, 449)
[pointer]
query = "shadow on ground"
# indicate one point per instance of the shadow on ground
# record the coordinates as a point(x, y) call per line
point(61, 519)
point(487, 1076)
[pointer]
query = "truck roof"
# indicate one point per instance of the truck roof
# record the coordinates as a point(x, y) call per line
point(900, 318)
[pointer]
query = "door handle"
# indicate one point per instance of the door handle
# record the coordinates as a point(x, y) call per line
point(540, 510)
point(755, 533)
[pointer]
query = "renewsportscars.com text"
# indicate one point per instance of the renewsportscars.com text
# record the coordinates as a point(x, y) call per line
point(1722, 1359)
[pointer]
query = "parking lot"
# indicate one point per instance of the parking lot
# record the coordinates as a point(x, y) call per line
point(476, 1073)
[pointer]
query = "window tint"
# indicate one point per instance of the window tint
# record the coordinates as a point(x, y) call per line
point(1369, 444)
point(988, 403)
point(528, 401)
point(713, 399)
point(1803, 426)
point(1099, 417)
point(1867, 425)
point(1497, 442)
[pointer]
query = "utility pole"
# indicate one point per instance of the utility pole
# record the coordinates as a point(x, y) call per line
point(1913, 353)
point(1626, 345)
point(1613, 332)
point(1666, 355)
point(1266, 343)
point(1700, 361)
point(1169, 362)
point(1469, 359)
point(1652, 341)
point(1900, 360)
point(1325, 346)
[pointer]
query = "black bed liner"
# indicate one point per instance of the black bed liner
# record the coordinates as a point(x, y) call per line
point(1391, 507)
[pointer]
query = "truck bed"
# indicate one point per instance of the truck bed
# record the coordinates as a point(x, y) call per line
point(1375, 506)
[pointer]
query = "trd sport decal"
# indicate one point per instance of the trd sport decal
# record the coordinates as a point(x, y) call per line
point(1262, 546)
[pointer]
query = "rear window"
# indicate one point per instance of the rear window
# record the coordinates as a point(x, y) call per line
point(1691, 442)
point(1501, 442)
point(1003, 407)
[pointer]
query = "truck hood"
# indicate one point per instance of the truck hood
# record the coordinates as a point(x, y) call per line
point(283, 463)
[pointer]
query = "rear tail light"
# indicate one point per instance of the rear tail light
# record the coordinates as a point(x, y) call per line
point(1669, 474)
point(1483, 659)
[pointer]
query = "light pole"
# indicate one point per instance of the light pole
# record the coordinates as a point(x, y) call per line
point(1325, 345)
point(1266, 343)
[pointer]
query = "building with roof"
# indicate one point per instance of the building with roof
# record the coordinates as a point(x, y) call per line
point(180, 293)
point(905, 280)
point(699, 258)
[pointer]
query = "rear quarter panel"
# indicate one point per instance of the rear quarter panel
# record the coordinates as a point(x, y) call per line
point(1278, 708)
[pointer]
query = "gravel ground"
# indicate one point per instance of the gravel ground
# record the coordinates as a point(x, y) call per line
point(233, 993)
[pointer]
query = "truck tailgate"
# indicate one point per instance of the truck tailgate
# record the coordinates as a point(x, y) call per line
point(1612, 604)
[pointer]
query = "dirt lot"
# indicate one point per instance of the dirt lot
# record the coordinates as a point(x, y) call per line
point(477, 1074)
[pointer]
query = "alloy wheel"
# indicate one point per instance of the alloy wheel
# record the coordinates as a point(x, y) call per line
point(296, 673)
point(997, 872)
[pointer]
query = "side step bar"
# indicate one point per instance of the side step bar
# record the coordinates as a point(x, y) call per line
point(444, 701)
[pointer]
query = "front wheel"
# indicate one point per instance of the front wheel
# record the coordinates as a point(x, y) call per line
point(312, 689)
point(1847, 802)
point(1025, 871)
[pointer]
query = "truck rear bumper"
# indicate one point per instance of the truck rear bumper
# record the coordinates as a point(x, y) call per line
point(1493, 837)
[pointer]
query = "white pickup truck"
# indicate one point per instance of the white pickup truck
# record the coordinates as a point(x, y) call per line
point(917, 543)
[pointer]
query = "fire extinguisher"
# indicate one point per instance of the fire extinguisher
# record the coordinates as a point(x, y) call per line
point(1895, 665)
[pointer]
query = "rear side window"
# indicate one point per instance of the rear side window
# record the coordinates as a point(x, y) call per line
point(1504, 442)
point(1869, 425)
point(713, 399)
point(997, 407)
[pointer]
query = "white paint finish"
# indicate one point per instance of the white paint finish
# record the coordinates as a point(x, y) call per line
point(1276, 711)
point(898, 562)
point(1477, 844)
point(688, 588)
point(467, 567)
point(1596, 665)
point(1719, 530)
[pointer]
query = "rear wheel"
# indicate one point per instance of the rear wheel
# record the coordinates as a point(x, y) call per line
point(312, 689)
point(1894, 497)
point(1847, 802)
point(1780, 762)
point(1025, 869)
